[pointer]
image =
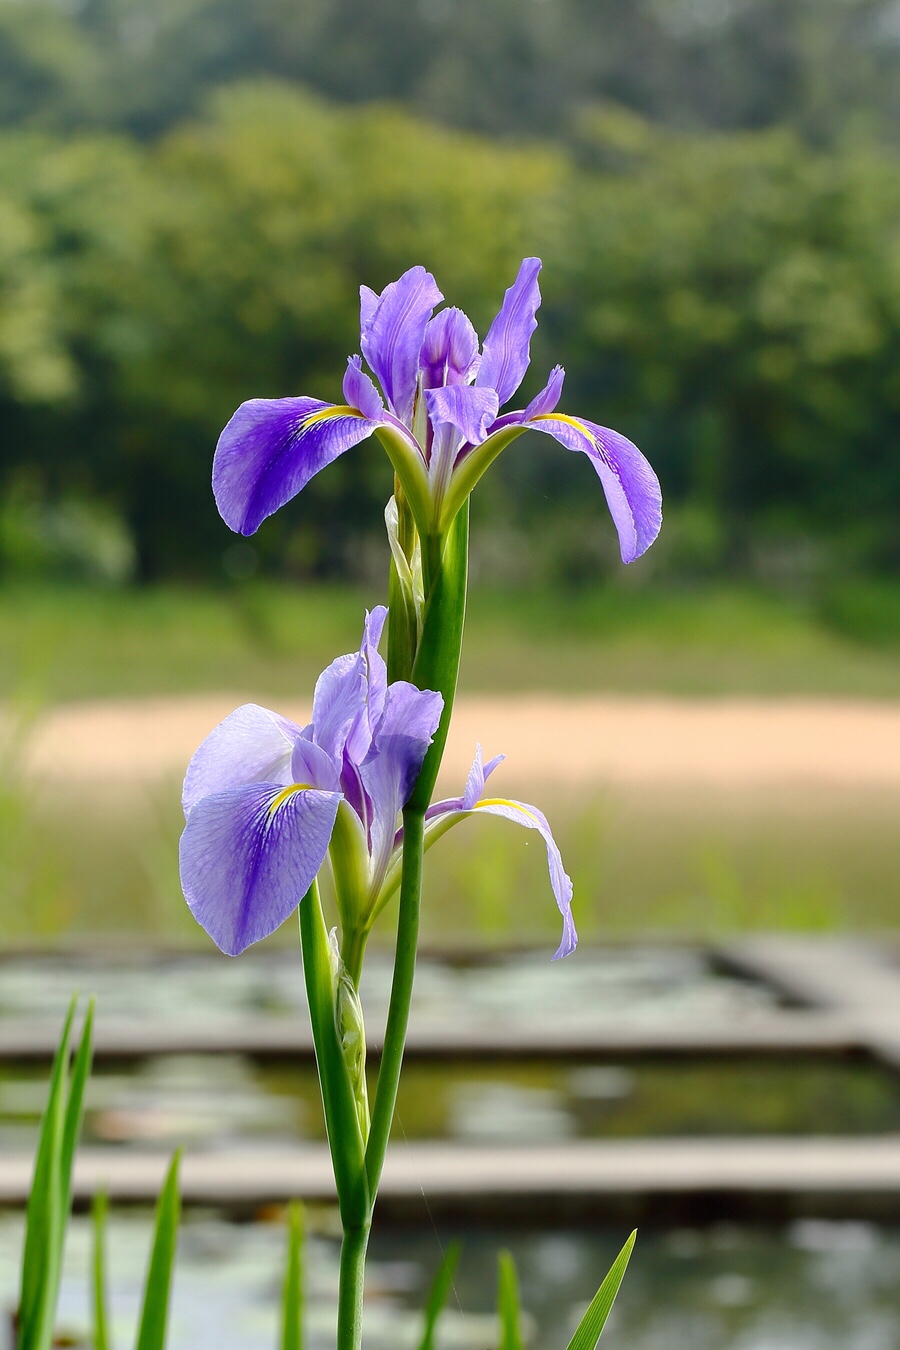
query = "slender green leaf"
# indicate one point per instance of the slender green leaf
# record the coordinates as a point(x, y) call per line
point(292, 1290)
point(508, 1304)
point(155, 1312)
point(98, 1214)
point(594, 1320)
point(438, 1294)
point(81, 1072)
point(44, 1219)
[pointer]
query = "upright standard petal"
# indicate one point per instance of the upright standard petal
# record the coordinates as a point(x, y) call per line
point(631, 487)
point(449, 352)
point(270, 450)
point(360, 392)
point(389, 771)
point(547, 399)
point(392, 334)
point(349, 695)
point(249, 855)
point(506, 351)
point(252, 745)
point(468, 409)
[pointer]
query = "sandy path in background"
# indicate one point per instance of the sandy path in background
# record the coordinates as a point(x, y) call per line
point(572, 741)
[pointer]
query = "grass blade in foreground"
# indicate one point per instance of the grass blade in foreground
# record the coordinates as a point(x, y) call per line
point(594, 1320)
point(292, 1296)
point(98, 1214)
point(438, 1294)
point(508, 1304)
point(49, 1200)
point(154, 1316)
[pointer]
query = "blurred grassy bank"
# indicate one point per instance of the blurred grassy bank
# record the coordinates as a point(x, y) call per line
point(691, 863)
point(267, 640)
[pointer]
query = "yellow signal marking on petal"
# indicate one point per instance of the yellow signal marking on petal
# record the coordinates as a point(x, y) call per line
point(569, 421)
point(326, 414)
point(285, 793)
point(504, 801)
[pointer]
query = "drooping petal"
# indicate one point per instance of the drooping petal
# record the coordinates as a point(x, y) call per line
point(465, 407)
point(631, 487)
point(252, 745)
point(349, 695)
point(506, 349)
point(392, 335)
point(449, 352)
point(390, 770)
point(547, 399)
point(249, 855)
point(441, 816)
point(533, 819)
point(360, 392)
point(270, 450)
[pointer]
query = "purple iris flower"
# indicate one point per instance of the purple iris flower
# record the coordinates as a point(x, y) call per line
point(264, 799)
point(439, 417)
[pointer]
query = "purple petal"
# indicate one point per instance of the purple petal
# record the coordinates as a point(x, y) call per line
point(252, 745)
point(547, 399)
point(311, 766)
point(360, 392)
point(468, 409)
point(249, 855)
point(478, 776)
point(449, 352)
point(349, 695)
point(271, 448)
point(390, 770)
point(561, 882)
point(393, 332)
point(632, 488)
point(506, 348)
point(368, 303)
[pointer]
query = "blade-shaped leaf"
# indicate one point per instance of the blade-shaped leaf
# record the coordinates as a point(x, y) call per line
point(508, 1304)
point(81, 1072)
point(594, 1320)
point(98, 1214)
point(438, 1294)
point(292, 1291)
point(44, 1220)
point(155, 1312)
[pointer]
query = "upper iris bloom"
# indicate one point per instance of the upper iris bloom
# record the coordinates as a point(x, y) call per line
point(438, 416)
point(267, 801)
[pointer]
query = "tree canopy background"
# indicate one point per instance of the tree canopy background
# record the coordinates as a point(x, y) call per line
point(192, 190)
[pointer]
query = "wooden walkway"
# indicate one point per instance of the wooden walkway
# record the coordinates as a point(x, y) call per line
point(703, 1178)
point(843, 998)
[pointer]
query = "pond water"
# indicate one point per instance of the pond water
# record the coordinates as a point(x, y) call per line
point(811, 1286)
point(633, 985)
point(213, 1101)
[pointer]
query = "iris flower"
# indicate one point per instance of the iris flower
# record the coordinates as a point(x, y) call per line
point(437, 415)
point(266, 802)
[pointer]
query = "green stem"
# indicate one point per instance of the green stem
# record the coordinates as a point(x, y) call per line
point(353, 949)
point(401, 994)
point(350, 1296)
point(338, 1100)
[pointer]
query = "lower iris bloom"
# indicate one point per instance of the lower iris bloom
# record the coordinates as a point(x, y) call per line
point(267, 802)
point(437, 415)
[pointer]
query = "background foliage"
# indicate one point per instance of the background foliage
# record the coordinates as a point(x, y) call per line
point(712, 184)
